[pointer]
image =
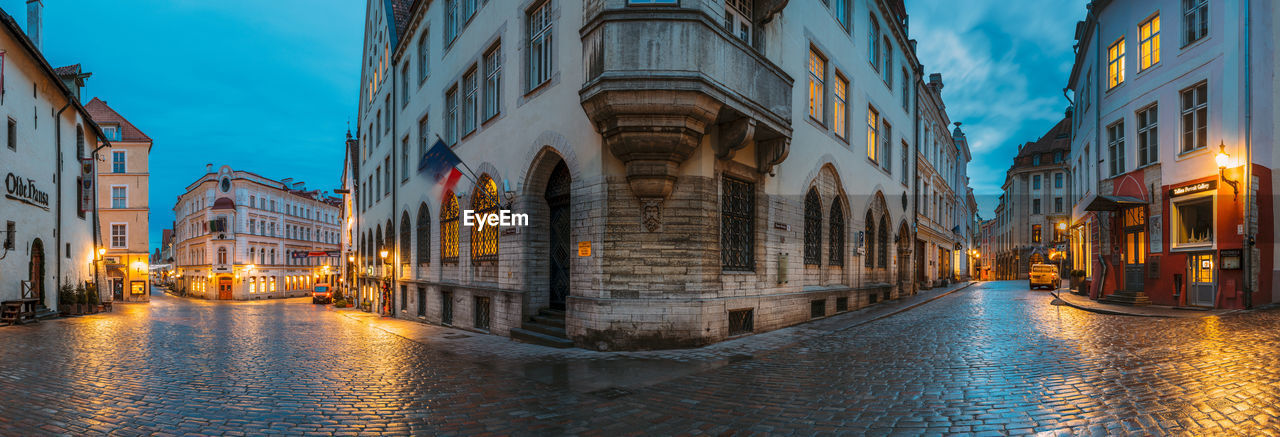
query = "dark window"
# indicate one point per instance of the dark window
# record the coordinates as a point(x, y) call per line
point(9, 228)
point(812, 228)
point(404, 297)
point(1195, 115)
point(424, 234)
point(817, 308)
point(741, 321)
point(1195, 19)
point(737, 225)
point(835, 252)
point(422, 301)
point(884, 243)
point(1148, 147)
point(482, 312)
point(842, 304)
point(446, 307)
point(869, 258)
point(405, 240)
point(13, 134)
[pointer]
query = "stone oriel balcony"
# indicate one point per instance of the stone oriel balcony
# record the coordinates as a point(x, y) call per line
point(657, 80)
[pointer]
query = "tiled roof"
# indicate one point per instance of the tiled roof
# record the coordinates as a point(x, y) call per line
point(103, 114)
point(67, 70)
point(1058, 138)
point(401, 10)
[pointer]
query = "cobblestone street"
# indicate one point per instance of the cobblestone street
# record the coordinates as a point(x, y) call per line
point(993, 358)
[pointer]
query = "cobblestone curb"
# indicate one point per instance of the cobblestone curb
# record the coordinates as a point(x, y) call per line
point(1150, 311)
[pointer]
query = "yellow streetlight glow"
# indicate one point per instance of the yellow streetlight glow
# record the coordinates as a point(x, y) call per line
point(102, 251)
point(1222, 156)
point(1062, 226)
point(383, 254)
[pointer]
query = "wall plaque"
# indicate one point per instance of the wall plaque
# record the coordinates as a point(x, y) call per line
point(1230, 259)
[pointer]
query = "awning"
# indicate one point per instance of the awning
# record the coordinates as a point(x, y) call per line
point(114, 272)
point(1113, 203)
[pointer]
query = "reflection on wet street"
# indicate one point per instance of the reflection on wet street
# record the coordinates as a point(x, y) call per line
point(993, 358)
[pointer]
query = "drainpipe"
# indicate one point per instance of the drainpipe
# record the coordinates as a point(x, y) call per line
point(915, 187)
point(97, 227)
point(1248, 162)
point(1097, 130)
point(394, 256)
point(57, 236)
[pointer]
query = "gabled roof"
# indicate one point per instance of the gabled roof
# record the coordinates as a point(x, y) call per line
point(1058, 138)
point(103, 114)
point(67, 70)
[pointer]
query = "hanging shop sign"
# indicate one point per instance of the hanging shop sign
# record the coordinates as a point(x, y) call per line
point(25, 191)
point(1193, 188)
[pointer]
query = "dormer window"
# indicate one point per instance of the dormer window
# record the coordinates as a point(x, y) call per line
point(737, 18)
point(111, 131)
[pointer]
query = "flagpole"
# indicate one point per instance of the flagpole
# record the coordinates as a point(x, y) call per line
point(474, 179)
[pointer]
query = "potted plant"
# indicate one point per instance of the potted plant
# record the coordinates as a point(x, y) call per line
point(1077, 276)
point(66, 299)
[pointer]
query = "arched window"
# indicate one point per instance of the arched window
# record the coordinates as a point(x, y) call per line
point(869, 257)
point(80, 142)
point(424, 234)
point(835, 254)
point(390, 245)
point(884, 242)
point(484, 201)
point(405, 239)
point(251, 257)
point(377, 246)
point(423, 60)
point(812, 228)
point(222, 255)
point(449, 228)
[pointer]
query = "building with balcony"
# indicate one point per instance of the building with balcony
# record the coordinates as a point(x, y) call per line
point(651, 145)
point(1173, 151)
point(241, 236)
point(47, 212)
point(123, 191)
point(1033, 212)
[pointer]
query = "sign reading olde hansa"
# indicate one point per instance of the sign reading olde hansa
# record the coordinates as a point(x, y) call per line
point(25, 191)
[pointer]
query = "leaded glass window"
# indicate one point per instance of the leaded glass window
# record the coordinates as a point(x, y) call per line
point(424, 234)
point(835, 253)
point(484, 201)
point(449, 229)
point(884, 242)
point(869, 258)
point(812, 228)
point(737, 225)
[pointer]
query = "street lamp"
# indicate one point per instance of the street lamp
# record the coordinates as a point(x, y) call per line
point(1223, 159)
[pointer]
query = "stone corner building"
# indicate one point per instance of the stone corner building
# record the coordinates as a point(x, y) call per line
point(692, 171)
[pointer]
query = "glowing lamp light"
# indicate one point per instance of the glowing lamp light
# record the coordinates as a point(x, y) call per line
point(102, 251)
point(1222, 158)
point(351, 258)
point(1062, 226)
point(383, 254)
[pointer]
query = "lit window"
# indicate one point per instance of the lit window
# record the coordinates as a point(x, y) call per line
point(1115, 64)
point(817, 85)
point(1149, 43)
point(484, 201)
point(873, 126)
point(1035, 233)
point(449, 229)
point(1193, 222)
point(841, 91)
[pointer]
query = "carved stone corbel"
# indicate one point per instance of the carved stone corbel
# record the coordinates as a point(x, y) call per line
point(734, 135)
point(771, 152)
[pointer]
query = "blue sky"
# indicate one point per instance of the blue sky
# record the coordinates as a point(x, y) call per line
point(264, 86)
point(1003, 65)
point(269, 86)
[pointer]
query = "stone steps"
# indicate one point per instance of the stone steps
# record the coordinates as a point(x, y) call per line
point(546, 329)
point(1126, 298)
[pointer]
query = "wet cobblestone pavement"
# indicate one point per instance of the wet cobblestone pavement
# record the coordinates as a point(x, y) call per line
point(993, 359)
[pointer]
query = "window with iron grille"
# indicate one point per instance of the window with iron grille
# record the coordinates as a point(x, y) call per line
point(884, 243)
point(812, 228)
point(869, 257)
point(741, 321)
point(424, 234)
point(446, 307)
point(817, 308)
point(405, 240)
point(737, 225)
point(422, 301)
point(449, 229)
point(835, 252)
point(484, 201)
point(482, 312)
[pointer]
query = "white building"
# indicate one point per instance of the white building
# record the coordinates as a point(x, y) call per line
point(1174, 140)
point(242, 236)
point(650, 144)
point(47, 209)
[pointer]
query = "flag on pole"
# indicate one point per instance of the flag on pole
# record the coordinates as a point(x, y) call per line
point(439, 165)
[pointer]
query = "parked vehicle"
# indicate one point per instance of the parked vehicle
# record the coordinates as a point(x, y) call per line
point(1045, 275)
point(322, 293)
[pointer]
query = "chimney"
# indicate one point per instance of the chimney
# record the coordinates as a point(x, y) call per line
point(208, 168)
point(935, 82)
point(34, 27)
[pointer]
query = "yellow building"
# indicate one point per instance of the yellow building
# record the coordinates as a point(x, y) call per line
point(122, 201)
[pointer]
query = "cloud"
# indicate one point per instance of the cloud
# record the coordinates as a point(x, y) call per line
point(1003, 65)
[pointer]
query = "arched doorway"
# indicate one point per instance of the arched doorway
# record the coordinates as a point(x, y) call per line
point(35, 270)
point(557, 197)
